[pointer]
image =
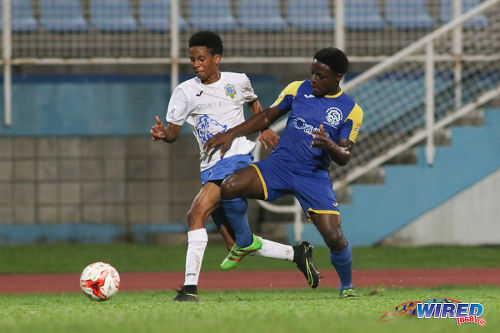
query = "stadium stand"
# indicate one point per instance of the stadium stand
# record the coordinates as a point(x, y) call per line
point(363, 14)
point(62, 15)
point(409, 14)
point(313, 15)
point(154, 15)
point(211, 15)
point(112, 16)
point(260, 15)
point(446, 13)
point(23, 19)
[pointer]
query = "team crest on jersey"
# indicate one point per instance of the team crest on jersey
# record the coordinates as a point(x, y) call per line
point(230, 90)
point(333, 116)
point(208, 127)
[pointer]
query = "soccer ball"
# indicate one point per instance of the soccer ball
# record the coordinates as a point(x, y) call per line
point(100, 281)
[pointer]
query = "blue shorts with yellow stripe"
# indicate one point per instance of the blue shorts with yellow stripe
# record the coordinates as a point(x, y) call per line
point(313, 189)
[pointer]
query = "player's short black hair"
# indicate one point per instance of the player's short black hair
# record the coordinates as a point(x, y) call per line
point(333, 58)
point(209, 39)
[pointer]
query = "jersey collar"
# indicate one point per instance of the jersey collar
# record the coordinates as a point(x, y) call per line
point(334, 96)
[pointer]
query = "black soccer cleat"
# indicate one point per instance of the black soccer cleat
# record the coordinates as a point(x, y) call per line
point(302, 256)
point(186, 296)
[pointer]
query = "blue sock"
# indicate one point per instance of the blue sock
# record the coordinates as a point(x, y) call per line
point(342, 262)
point(219, 217)
point(235, 214)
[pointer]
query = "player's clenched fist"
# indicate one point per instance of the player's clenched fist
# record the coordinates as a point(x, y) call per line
point(158, 130)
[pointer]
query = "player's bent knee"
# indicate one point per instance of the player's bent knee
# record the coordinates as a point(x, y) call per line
point(195, 219)
point(336, 242)
point(334, 238)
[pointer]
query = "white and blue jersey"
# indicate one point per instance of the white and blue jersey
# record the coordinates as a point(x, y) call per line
point(211, 109)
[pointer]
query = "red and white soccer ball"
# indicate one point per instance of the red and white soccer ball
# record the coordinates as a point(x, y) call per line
point(100, 281)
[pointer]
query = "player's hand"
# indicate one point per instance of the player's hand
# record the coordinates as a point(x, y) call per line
point(321, 139)
point(222, 140)
point(158, 130)
point(269, 137)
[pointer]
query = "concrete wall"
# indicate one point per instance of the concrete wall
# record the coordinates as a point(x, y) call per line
point(96, 180)
point(469, 218)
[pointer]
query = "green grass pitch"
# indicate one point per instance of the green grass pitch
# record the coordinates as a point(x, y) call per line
point(302, 310)
point(275, 311)
point(66, 258)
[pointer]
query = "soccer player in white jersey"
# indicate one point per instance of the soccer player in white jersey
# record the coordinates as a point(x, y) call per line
point(211, 103)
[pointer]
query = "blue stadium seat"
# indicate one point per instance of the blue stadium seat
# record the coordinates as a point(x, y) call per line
point(312, 15)
point(154, 15)
point(408, 14)
point(260, 15)
point(211, 15)
point(22, 18)
point(446, 14)
point(363, 14)
point(62, 15)
point(112, 15)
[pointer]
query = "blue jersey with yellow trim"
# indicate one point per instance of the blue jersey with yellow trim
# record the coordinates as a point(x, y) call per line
point(340, 115)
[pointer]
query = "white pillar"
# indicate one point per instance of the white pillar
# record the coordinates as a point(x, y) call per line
point(7, 55)
point(174, 44)
point(340, 24)
point(429, 103)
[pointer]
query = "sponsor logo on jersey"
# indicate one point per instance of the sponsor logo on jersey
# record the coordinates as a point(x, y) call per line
point(199, 94)
point(230, 90)
point(300, 124)
point(333, 116)
point(208, 127)
point(309, 96)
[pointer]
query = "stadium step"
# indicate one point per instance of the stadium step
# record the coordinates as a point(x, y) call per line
point(474, 118)
point(409, 156)
point(392, 204)
point(375, 176)
point(344, 194)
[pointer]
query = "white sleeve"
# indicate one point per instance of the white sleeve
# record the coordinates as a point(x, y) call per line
point(177, 107)
point(248, 93)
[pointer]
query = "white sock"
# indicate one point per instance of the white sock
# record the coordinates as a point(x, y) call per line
point(275, 250)
point(197, 242)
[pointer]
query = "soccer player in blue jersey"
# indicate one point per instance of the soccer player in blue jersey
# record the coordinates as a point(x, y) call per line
point(322, 126)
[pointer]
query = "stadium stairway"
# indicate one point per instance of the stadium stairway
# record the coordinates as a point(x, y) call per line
point(378, 210)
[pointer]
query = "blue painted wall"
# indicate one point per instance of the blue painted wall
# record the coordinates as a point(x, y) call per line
point(85, 233)
point(106, 105)
point(412, 190)
point(98, 105)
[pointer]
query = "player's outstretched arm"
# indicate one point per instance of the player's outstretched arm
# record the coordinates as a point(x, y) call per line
point(168, 134)
point(256, 123)
point(339, 153)
point(266, 136)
